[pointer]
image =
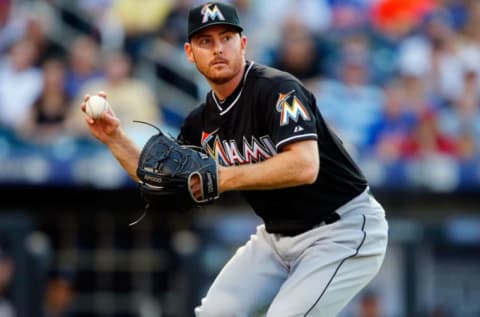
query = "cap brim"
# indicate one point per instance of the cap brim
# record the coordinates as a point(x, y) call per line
point(192, 33)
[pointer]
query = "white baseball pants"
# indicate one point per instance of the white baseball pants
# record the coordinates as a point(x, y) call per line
point(315, 273)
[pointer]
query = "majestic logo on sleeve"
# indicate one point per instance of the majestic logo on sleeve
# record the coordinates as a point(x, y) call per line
point(228, 152)
point(211, 13)
point(290, 107)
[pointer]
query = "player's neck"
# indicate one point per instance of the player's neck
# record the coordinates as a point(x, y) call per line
point(222, 91)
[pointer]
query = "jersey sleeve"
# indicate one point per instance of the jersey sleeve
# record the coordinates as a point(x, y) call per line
point(290, 114)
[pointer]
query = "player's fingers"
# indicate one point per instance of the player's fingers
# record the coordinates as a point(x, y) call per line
point(103, 94)
point(198, 194)
point(106, 117)
point(88, 119)
point(109, 116)
point(195, 187)
point(84, 102)
point(83, 105)
point(110, 111)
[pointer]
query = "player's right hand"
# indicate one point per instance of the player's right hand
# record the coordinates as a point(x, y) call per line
point(107, 127)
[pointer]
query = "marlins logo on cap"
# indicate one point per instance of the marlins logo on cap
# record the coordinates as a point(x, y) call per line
point(212, 13)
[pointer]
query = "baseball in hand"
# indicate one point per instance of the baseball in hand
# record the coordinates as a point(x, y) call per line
point(95, 106)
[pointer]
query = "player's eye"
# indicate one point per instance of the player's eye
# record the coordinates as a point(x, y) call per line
point(204, 41)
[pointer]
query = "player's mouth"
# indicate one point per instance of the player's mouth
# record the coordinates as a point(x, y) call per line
point(219, 62)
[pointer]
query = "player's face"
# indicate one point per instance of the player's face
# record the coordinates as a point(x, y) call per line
point(218, 52)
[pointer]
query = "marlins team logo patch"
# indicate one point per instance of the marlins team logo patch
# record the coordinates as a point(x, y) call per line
point(290, 107)
point(211, 13)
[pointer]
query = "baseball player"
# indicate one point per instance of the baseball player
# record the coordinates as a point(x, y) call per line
point(324, 235)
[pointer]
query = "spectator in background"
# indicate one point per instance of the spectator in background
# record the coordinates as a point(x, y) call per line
point(174, 28)
point(298, 52)
point(59, 294)
point(390, 23)
point(83, 64)
point(445, 75)
point(419, 98)
point(315, 15)
point(45, 122)
point(37, 30)
point(348, 16)
point(26, 19)
point(140, 22)
point(471, 30)
point(20, 84)
point(394, 126)
point(461, 120)
point(124, 90)
point(428, 140)
point(370, 305)
point(350, 102)
point(262, 37)
point(399, 17)
point(104, 24)
point(432, 55)
point(7, 268)
point(12, 24)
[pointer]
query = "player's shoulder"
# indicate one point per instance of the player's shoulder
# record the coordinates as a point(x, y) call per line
point(267, 73)
point(191, 125)
point(265, 77)
point(196, 112)
point(193, 118)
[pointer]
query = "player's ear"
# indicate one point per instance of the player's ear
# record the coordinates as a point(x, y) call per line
point(243, 43)
point(187, 47)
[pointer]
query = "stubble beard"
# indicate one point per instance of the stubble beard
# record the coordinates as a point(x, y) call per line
point(223, 78)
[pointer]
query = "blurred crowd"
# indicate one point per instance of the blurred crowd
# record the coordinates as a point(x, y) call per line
point(397, 79)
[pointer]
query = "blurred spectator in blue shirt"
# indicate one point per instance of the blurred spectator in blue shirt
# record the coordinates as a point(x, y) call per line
point(351, 104)
point(394, 127)
point(348, 16)
point(84, 58)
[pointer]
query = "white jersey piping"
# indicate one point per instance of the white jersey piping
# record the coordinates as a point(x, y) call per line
point(222, 112)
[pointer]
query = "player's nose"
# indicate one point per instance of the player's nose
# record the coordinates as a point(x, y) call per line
point(218, 48)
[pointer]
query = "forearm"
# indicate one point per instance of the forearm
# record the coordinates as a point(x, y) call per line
point(125, 152)
point(283, 170)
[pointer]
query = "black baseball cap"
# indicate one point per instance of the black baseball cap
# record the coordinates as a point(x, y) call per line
point(212, 13)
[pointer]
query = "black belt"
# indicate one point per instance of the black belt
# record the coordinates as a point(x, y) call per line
point(331, 218)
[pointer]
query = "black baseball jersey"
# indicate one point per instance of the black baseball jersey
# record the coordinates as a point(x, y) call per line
point(268, 110)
